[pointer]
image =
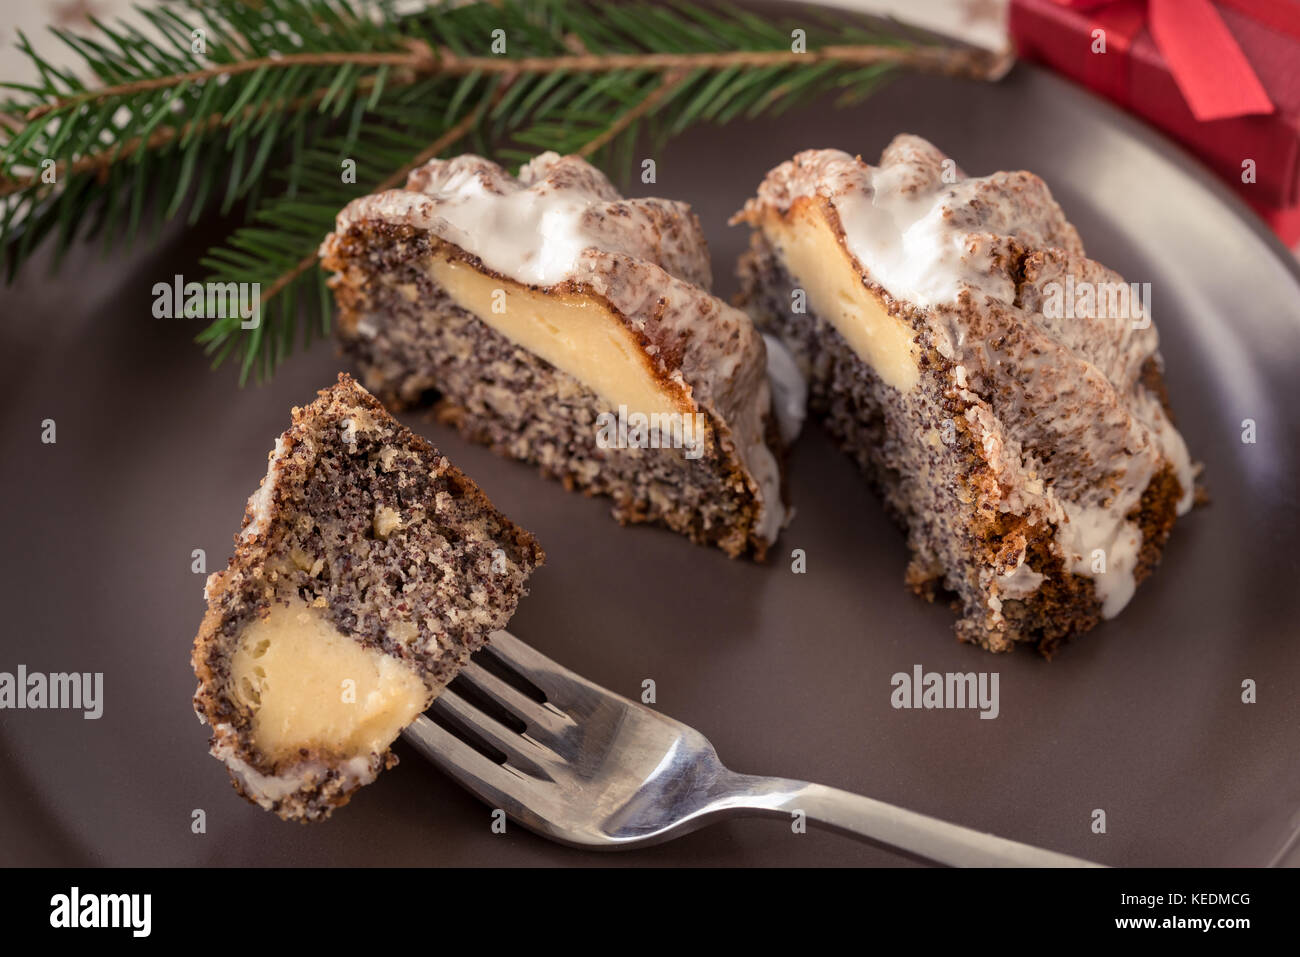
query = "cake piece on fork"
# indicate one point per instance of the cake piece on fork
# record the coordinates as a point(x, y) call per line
point(367, 572)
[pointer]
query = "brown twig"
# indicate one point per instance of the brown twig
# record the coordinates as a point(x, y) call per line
point(950, 61)
point(415, 60)
point(939, 59)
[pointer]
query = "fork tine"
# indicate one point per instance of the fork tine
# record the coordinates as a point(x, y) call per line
point(554, 680)
point(547, 724)
point(493, 783)
point(521, 752)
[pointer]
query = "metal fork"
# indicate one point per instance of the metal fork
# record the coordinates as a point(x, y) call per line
point(592, 769)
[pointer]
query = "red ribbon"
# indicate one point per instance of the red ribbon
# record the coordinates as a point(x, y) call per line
point(1204, 59)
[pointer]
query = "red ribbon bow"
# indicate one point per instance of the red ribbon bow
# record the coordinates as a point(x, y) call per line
point(1204, 59)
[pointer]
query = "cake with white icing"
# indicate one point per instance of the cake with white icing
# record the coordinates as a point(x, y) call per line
point(1027, 449)
point(561, 324)
point(367, 571)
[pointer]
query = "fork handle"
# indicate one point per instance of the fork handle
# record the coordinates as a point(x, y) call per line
point(865, 817)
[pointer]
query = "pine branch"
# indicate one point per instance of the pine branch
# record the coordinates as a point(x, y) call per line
point(944, 60)
point(202, 142)
point(284, 91)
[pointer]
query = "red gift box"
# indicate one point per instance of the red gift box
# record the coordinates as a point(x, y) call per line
point(1222, 79)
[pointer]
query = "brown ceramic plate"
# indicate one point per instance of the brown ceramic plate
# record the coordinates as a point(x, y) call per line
point(787, 674)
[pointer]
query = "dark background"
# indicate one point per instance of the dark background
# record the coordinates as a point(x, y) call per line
point(786, 674)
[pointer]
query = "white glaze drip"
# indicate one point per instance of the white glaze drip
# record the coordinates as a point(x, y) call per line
point(789, 389)
point(905, 243)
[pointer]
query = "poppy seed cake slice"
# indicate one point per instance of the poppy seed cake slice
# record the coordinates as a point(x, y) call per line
point(367, 571)
point(1028, 451)
point(566, 326)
